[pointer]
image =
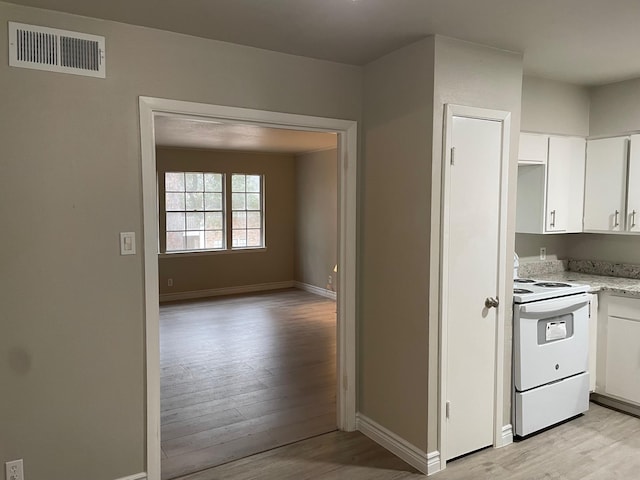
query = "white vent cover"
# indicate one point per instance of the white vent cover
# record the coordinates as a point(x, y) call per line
point(43, 48)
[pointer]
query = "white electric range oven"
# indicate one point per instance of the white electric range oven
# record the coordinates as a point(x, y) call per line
point(550, 353)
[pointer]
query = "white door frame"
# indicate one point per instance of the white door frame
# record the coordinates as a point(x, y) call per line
point(346, 311)
point(505, 118)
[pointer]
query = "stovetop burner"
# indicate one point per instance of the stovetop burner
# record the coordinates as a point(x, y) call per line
point(527, 290)
point(552, 285)
point(520, 291)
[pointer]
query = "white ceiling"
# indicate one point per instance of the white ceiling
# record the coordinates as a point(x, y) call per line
point(580, 41)
point(189, 133)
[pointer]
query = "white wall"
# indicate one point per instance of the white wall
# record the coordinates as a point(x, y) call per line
point(395, 228)
point(72, 307)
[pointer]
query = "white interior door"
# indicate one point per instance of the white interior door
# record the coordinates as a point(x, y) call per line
point(474, 204)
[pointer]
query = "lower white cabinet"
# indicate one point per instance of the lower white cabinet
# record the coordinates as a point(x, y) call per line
point(619, 357)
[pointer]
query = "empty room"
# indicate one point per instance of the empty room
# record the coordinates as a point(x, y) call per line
point(247, 265)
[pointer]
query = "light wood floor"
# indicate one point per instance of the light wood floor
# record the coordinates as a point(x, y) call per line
point(244, 374)
point(601, 445)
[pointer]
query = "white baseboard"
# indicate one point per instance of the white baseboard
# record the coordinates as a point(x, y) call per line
point(137, 476)
point(433, 462)
point(317, 290)
point(507, 436)
point(216, 292)
point(392, 442)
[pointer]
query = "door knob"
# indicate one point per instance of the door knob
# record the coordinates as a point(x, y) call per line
point(491, 302)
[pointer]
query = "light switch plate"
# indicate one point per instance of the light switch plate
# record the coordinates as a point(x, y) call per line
point(127, 243)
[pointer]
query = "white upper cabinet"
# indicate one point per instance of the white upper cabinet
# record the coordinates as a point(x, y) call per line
point(533, 148)
point(605, 185)
point(551, 192)
point(633, 197)
point(565, 184)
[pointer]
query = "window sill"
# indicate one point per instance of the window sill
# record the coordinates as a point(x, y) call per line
point(206, 253)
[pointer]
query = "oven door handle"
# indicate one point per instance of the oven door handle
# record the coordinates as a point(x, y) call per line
point(559, 306)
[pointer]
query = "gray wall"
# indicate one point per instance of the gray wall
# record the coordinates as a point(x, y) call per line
point(245, 267)
point(610, 248)
point(474, 75)
point(316, 217)
point(72, 342)
point(395, 228)
point(528, 246)
point(615, 108)
point(550, 106)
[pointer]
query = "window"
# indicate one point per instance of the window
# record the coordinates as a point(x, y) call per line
point(194, 207)
point(246, 207)
point(196, 214)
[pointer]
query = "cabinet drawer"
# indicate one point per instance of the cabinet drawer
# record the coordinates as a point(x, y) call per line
point(624, 307)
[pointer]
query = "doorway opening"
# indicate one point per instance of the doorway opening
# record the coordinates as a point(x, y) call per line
point(150, 111)
point(244, 209)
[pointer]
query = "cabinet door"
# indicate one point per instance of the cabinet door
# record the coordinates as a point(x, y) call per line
point(558, 172)
point(623, 358)
point(533, 148)
point(576, 155)
point(565, 184)
point(605, 184)
point(633, 196)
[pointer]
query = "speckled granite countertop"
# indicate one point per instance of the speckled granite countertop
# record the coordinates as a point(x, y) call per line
point(598, 283)
point(596, 274)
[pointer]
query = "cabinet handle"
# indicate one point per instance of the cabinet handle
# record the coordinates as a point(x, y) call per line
point(615, 219)
point(553, 219)
point(633, 218)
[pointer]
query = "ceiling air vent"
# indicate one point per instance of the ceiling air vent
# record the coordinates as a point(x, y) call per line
point(43, 48)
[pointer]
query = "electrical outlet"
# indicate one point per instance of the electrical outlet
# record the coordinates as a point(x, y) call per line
point(330, 282)
point(170, 282)
point(14, 470)
point(543, 253)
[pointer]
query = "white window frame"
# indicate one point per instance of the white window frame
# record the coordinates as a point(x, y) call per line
point(246, 211)
point(191, 233)
point(227, 216)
